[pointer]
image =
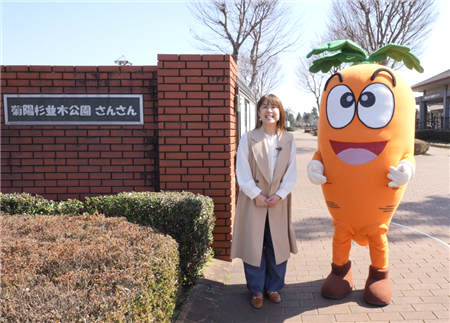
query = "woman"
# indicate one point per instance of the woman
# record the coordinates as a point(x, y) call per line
point(266, 172)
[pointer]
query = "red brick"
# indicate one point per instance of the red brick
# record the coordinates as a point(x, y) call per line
point(36, 147)
point(120, 90)
point(176, 171)
point(143, 76)
point(191, 72)
point(213, 58)
point(129, 69)
point(190, 118)
point(133, 168)
point(169, 103)
point(50, 76)
point(112, 169)
point(9, 90)
point(176, 186)
point(213, 72)
point(18, 82)
point(214, 163)
point(191, 57)
point(176, 155)
point(190, 87)
point(170, 178)
point(65, 83)
point(221, 244)
point(197, 80)
point(198, 185)
point(198, 141)
point(168, 57)
point(198, 95)
point(63, 68)
point(122, 161)
point(29, 76)
point(197, 65)
point(94, 176)
point(174, 80)
point(169, 163)
point(198, 125)
point(115, 182)
point(174, 95)
point(198, 155)
point(171, 87)
point(109, 69)
point(101, 190)
point(192, 133)
point(31, 90)
point(21, 183)
point(77, 176)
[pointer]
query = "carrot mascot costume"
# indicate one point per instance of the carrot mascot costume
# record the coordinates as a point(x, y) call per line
point(365, 157)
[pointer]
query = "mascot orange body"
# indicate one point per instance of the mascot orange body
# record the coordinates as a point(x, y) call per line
point(364, 159)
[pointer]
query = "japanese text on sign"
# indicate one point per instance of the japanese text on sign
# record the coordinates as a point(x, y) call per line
point(76, 109)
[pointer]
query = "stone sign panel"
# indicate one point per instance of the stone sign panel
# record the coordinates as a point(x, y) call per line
point(79, 109)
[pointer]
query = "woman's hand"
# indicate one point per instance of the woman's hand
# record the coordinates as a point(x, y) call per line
point(272, 201)
point(260, 201)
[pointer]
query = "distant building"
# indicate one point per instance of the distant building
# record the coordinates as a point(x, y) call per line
point(435, 102)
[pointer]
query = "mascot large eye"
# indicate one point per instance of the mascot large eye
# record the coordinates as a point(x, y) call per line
point(340, 106)
point(376, 106)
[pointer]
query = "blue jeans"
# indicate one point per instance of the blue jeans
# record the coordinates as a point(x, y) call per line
point(268, 276)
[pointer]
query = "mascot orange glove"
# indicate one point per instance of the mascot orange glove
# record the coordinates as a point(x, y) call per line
point(365, 158)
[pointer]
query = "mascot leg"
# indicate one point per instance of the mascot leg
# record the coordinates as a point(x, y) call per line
point(339, 282)
point(378, 289)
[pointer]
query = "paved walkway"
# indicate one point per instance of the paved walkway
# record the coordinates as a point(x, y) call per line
point(419, 260)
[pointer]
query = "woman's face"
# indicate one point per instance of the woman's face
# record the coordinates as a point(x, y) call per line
point(269, 113)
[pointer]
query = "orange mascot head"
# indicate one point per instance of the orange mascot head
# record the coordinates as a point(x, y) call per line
point(365, 157)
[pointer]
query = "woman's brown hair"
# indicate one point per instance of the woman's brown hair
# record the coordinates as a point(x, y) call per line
point(272, 99)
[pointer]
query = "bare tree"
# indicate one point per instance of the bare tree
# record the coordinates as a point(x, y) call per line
point(254, 32)
point(309, 82)
point(373, 24)
point(269, 76)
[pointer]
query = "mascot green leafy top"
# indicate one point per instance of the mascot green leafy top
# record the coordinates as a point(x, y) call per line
point(365, 157)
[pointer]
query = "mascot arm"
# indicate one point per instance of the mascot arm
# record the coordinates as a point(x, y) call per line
point(315, 170)
point(401, 174)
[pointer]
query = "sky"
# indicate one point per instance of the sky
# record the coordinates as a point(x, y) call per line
point(98, 32)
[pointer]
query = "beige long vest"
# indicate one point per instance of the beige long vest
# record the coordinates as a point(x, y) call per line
point(248, 228)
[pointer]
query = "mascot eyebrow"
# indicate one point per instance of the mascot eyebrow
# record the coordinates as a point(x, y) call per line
point(394, 82)
point(341, 79)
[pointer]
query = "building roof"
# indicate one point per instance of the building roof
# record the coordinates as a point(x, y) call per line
point(440, 79)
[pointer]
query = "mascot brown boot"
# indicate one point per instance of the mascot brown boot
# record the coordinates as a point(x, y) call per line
point(339, 282)
point(378, 290)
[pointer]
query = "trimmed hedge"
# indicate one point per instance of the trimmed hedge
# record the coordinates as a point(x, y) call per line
point(186, 217)
point(86, 269)
point(25, 203)
point(420, 147)
point(434, 135)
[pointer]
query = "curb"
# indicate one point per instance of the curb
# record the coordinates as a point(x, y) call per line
point(204, 299)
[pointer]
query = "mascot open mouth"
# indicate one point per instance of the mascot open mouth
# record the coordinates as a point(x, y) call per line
point(357, 153)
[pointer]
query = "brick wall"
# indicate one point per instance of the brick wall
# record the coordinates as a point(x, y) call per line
point(61, 162)
point(187, 142)
point(197, 133)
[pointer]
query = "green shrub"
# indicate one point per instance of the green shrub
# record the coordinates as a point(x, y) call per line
point(25, 203)
point(434, 135)
point(291, 129)
point(420, 147)
point(86, 269)
point(186, 217)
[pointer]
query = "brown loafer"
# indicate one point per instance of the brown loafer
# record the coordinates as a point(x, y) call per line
point(257, 300)
point(274, 297)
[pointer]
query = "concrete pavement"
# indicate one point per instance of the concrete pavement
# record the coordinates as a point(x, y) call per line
point(419, 258)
